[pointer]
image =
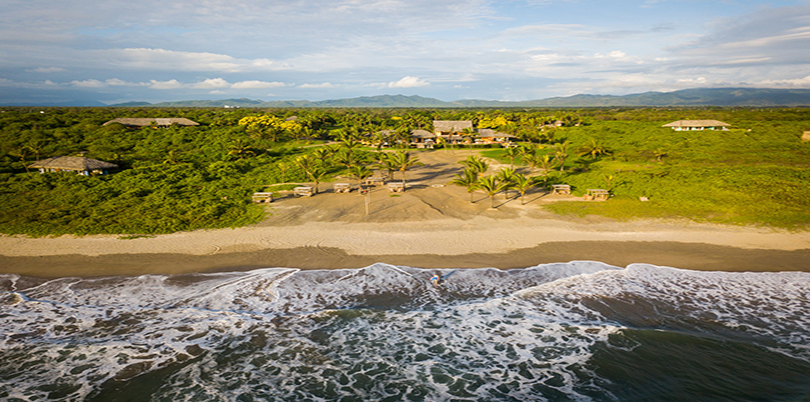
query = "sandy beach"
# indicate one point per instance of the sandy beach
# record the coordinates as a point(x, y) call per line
point(430, 225)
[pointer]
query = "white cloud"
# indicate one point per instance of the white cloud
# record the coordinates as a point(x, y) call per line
point(115, 82)
point(212, 83)
point(322, 85)
point(408, 82)
point(172, 60)
point(790, 83)
point(257, 85)
point(88, 84)
point(171, 84)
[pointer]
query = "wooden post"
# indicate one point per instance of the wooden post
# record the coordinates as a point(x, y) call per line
point(368, 199)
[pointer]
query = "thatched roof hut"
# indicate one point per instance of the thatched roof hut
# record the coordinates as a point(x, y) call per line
point(490, 133)
point(422, 134)
point(80, 164)
point(451, 126)
point(687, 125)
point(148, 121)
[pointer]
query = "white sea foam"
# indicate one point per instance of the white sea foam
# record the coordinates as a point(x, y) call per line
point(381, 331)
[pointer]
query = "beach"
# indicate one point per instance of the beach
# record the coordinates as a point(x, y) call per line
point(320, 301)
point(432, 224)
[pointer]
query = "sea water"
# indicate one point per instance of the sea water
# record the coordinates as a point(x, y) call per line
point(579, 331)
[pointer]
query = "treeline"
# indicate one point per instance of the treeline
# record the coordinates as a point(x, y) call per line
point(185, 178)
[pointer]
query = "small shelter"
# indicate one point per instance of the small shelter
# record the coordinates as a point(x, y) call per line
point(262, 198)
point(690, 125)
point(374, 181)
point(806, 136)
point(151, 121)
point(596, 194)
point(81, 165)
point(560, 189)
point(303, 191)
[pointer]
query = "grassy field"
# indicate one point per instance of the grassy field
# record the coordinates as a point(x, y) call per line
point(757, 173)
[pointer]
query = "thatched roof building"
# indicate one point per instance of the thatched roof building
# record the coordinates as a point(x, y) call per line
point(80, 164)
point(422, 134)
point(687, 125)
point(489, 135)
point(451, 126)
point(149, 121)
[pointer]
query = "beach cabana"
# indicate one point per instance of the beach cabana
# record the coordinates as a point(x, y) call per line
point(152, 121)
point(261, 198)
point(79, 164)
point(374, 181)
point(690, 125)
point(596, 194)
point(303, 191)
point(342, 187)
point(560, 189)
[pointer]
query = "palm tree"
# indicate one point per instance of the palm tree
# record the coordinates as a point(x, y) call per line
point(512, 153)
point(386, 161)
point(312, 167)
point(241, 149)
point(545, 163)
point(324, 153)
point(491, 186)
point(593, 149)
point(404, 161)
point(561, 154)
point(468, 133)
point(506, 176)
point(283, 167)
point(476, 164)
point(360, 173)
point(522, 183)
point(469, 179)
point(347, 158)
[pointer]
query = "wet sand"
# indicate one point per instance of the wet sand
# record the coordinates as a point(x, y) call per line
point(694, 256)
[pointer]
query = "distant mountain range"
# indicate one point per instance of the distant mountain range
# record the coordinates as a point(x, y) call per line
point(746, 97)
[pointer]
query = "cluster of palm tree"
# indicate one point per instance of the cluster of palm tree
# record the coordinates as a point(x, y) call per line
point(505, 180)
point(357, 163)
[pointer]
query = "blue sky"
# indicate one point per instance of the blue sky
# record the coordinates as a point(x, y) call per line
point(149, 50)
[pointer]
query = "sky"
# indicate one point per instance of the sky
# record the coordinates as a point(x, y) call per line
point(116, 51)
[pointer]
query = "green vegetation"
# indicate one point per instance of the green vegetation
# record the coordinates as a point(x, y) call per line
point(185, 178)
point(757, 173)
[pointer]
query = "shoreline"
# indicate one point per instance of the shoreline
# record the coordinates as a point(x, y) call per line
point(692, 256)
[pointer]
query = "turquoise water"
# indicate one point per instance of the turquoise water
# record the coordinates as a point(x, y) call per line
point(580, 331)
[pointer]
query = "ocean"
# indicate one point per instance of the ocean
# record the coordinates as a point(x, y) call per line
point(578, 331)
